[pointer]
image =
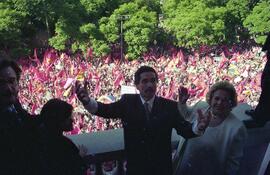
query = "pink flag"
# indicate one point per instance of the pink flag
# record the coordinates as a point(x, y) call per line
point(50, 56)
point(30, 87)
point(118, 79)
point(35, 59)
point(33, 109)
point(76, 130)
point(97, 88)
point(180, 57)
point(226, 51)
point(68, 82)
point(89, 53)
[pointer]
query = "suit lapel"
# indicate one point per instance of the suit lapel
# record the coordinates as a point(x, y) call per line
point(155, 108)
point(141, 112)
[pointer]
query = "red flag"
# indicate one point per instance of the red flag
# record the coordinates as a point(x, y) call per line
point(89, 53)
point(97, 88)
point(180, 57)
point(118, 79)
point(50, 56)
point(33, 109)
point(76, 130)
point(35, 59)
point(30, 87)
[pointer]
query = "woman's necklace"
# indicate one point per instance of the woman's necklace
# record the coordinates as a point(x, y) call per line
point(214, 116)
point(215, 120)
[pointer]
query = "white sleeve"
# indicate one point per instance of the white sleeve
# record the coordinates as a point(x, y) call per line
point(185, 111)
point(189, 113)
point(236, 151)
point(195, 128)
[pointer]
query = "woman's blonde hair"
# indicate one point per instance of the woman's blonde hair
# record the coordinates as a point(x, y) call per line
point(226, 86)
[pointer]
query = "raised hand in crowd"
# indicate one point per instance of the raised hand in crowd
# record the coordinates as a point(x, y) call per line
point(82, 150)
point(183, 95)
point(82, 92)
point(203, 117)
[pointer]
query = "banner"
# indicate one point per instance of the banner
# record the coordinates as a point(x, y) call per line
point(128, 90)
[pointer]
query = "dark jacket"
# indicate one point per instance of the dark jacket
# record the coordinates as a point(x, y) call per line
point(262, 111)
point(60, 155)
point(147, 142)
point(18, 148)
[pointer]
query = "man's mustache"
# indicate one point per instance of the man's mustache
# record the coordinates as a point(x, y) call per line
point(149, 90)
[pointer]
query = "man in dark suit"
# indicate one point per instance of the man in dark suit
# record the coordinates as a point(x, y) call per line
point(15, 125)
point(261, 114)
point(148, 121)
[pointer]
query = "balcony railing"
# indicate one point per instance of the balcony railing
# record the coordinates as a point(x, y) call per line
point(109, 145)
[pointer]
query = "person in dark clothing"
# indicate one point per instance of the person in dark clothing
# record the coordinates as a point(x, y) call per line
point(60, 154)
point(147, 121)
point(16, 126)
point(261, 114)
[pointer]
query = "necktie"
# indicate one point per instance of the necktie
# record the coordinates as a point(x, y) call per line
point(12, 109)
point(147, 111)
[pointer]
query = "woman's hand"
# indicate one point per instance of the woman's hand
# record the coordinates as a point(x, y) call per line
point(203, 119)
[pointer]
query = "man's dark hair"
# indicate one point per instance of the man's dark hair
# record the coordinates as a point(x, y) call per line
point(5, 63)
point(55, 111)
point(142, 70)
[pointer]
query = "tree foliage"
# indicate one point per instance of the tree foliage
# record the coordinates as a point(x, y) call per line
point(10, 27)
point(258, 22)
point(138, 25)
point(205, 22)
point(196, 23)
point(77, 25)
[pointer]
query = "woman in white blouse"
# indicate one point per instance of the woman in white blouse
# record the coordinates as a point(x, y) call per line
point(219, 150)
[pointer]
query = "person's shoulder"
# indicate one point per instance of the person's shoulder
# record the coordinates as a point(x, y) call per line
point(201, 105)
point(234, 121)
point(165, 101)
point(233, 118)
point(237, 127)
point(130, 96)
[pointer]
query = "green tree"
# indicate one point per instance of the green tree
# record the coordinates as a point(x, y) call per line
point(10, 22)
point(206, 22)
point(67, 28)
point(100, 8)
point(139, 27)
point(80, 31)
point(237, 11)
point(193, 23)
point(258, 22)
point(92, 37)
point(22, 20)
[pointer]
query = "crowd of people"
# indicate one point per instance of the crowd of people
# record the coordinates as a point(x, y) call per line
point(87, 87)
point(53, 76)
